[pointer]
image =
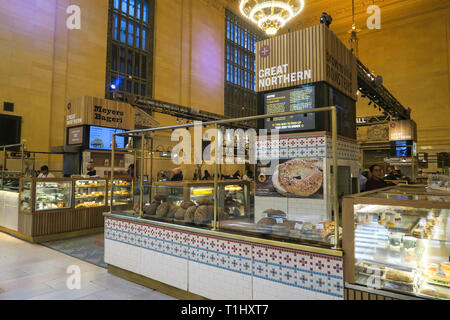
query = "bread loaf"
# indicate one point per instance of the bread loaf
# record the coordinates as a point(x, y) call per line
point(179, 214)
point(203, 215)
point(272, 213)
point(187, 204)
point(151, 209)
point(190, 213)
point(221, 214)
point(172, 209)
point(265, 225)
point(284, 228)
point(162, 210)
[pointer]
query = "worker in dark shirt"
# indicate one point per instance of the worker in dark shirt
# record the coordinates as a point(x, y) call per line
point(376, 178)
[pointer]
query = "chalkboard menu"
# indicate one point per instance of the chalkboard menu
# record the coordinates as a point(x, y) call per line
point(300, 98)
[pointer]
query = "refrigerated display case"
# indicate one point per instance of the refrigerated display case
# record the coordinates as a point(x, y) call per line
point(397, 239)
point(90, 193)
point(51, 195)
point(123, 194)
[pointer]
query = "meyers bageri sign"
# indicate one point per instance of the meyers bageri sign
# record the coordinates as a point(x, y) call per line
point(100, 112)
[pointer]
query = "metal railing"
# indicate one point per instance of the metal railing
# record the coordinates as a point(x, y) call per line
point(219, 123)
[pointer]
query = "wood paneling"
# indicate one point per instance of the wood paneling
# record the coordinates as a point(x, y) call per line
point(60, 221)
point(306, 56)
point(100, 112)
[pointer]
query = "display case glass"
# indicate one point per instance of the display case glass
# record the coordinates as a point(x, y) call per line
point(402, 242)
point(123, 193)
point(10, 180)
point(90, 193)
point(192, 203)
point(183, 198)
point(53, 195)
point(25, 195)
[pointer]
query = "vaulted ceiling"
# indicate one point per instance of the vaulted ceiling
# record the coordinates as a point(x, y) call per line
point(392, 11)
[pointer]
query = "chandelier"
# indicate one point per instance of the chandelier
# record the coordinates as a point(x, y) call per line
point(269, 15)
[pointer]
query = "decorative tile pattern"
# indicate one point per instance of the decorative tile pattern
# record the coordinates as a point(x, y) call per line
point(306, 147)
point(318, 273)
point(315, 274)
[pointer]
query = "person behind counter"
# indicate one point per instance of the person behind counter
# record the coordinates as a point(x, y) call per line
point(44, 173)
point(237, 175)
point(176, 175)
point(207, 176)
point(91, 169)
point(376, 178)
point(130, 171)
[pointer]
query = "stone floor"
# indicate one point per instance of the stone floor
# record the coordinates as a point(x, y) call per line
point(32, 271)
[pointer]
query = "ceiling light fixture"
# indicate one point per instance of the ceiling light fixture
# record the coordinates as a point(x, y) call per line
point(269, 15)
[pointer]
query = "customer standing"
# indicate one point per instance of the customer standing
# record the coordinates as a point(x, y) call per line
point(376, 178)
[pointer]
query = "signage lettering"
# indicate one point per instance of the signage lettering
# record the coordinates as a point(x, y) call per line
point(338, 73)
point(108, 115)
point(279, 75)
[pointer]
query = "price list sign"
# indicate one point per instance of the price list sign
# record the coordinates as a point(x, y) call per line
point(301, 98)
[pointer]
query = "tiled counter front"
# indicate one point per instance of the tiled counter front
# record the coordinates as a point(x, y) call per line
point(220, 268)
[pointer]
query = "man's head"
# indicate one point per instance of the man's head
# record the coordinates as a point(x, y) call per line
point(44, 169)
point(377, 171)
point(90, 166)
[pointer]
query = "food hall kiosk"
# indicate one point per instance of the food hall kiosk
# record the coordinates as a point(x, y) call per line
point(288, 246)
point(40, 210)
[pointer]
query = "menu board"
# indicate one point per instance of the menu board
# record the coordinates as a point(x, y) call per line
point(100, 138)
point(301, 98)
point(75, 136)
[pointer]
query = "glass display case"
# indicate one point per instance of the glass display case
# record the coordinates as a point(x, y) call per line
point(10, 180)
point(25, 198)
point(53, 195)
point(192, 202)
point(233, 195)
point(90, 193)
point(398, 239)
point(123, 193)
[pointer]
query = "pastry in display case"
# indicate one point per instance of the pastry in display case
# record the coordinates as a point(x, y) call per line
point(53, 195)
point(404, 246)
point(25, 196)
point(123, 193)
point(90, 193)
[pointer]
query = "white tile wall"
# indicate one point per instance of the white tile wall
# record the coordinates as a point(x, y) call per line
point(219, 284)
point(269, 290)
point(307, 210)
point(165, 268)
point(123, 255)
point(221, 269)
point(9, 210)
